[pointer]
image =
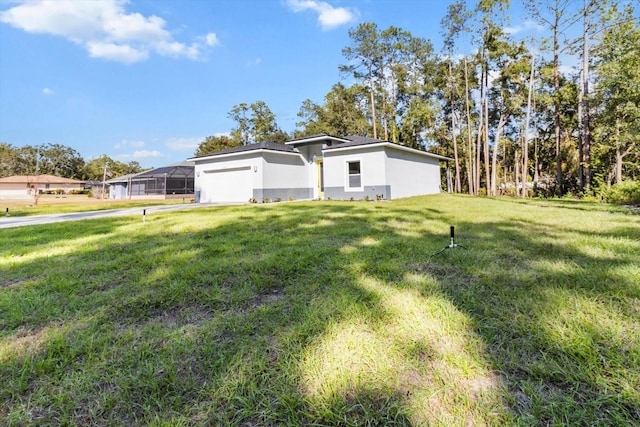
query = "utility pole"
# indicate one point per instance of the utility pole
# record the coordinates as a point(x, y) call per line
point(37, 177)
point(104, 178)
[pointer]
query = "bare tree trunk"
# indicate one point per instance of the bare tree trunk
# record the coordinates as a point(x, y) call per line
point(470, 156)
point(455, 152)
point(585, 143)
point(496, 150)
point(476, 168)
point(454, 138)
point(481, 124)
point(556, 102)
point(618, 154)
point(487, 164)
point(536, 165)
point(516, 164)
point(374, 119)
point(525, 148)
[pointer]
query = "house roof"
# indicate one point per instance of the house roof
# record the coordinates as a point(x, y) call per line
point(264, 145)
point(180, 170)
point(340, 143)
point(39, 179)
point(359, 141)
point(314, 139)
point(123, 178)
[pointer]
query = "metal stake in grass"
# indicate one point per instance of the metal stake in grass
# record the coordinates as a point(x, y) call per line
point(452, 244)
point(144, 215)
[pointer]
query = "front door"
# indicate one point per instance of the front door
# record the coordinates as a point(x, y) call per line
point(320, 179)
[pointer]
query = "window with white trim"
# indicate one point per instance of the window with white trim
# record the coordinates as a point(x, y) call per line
point(354, 176)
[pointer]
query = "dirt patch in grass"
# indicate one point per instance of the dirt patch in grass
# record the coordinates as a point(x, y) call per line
point(180, 317)
point(11, 283)
point(24, 341)
point(14, 283)
point(442, 272)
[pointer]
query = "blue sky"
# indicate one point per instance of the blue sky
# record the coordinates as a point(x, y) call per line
point(147, 80)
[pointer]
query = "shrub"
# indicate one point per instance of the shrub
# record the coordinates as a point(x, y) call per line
point(623, 193)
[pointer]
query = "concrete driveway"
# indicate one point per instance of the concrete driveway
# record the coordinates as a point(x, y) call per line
point(22, 221)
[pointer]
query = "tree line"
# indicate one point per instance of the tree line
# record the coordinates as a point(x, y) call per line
point(59, 160)
point(512, 121)
point(507, 115)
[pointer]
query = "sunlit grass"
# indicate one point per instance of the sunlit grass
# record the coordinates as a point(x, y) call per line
point(326, 313)
point(50, 204)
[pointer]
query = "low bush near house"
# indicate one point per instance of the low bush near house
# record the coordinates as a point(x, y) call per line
point(623, 193)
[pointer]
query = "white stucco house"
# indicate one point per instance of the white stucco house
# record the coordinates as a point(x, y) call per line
point(316, 167)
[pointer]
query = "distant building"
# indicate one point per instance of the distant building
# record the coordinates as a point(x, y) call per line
point(24, 187)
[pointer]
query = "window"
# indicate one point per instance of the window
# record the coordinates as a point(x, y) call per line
point(354, 176)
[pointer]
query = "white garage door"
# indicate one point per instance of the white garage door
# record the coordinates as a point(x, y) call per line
point(227, 185)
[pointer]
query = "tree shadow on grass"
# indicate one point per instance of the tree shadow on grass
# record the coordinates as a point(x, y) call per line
point(325, 313)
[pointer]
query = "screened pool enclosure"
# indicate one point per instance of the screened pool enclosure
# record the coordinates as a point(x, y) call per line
point(167, 182)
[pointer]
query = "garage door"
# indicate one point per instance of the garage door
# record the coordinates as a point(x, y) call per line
point(226, 185)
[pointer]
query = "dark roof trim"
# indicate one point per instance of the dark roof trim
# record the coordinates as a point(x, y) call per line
point(361, 142)
point(265, 145)
point(314, 139)
point(170, 171)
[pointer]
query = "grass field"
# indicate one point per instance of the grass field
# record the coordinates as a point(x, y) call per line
point(50, 204)
point(326, 313)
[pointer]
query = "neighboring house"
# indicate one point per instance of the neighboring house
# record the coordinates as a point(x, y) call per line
point(316, 167)
point(23, 187)
point(168, 182)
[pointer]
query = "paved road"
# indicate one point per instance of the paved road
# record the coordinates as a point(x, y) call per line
point(22, 221)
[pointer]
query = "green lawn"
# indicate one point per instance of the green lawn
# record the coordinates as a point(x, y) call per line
point(50, 204)
point(326, 313)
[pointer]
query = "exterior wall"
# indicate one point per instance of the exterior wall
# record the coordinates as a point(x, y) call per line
point(373, 174)
point(282, 176)
point(246, 161)
point(411, 174)
point(273, 175)
point(14, 192)
point(310, 153)
point(21, 191)
point(118, 190)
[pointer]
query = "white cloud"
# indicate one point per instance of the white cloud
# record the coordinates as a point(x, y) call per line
point(212, 39)
point(47, 91)
point(104, 28)
point(129, 144)
point(146, 154)
point(184, 143)
point(329, 17)
point(120, 53)
point(254, 62)
point(526, 26)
